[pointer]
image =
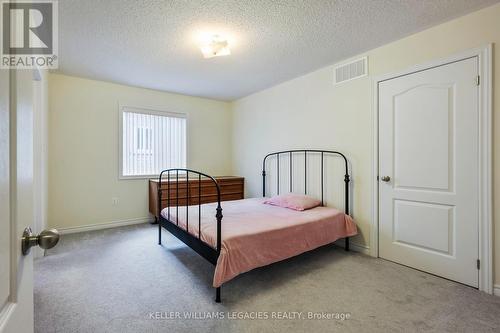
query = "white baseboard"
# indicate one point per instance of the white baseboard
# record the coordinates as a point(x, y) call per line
point(354, 246)
point(106, 225)
point(121, 223)
point(496, 290)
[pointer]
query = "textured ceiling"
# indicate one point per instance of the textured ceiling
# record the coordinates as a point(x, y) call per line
point(153, 44)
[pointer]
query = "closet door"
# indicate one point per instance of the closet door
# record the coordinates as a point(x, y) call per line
point(428, 172)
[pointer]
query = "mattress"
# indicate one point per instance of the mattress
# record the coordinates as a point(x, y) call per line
point(255, 234)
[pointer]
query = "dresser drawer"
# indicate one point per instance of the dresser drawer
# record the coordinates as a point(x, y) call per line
point(191, 192)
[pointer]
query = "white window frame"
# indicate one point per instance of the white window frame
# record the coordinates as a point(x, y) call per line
point(150, 111)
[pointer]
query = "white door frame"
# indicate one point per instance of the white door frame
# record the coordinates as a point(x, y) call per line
point(484, 55)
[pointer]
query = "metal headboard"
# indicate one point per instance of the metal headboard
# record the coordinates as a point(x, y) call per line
point(305, 152)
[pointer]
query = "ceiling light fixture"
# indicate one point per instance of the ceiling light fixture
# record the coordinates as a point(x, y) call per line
point(215, 46)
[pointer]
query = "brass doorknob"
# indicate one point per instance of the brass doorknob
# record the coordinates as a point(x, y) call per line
point(386, 179)
point(47, 239)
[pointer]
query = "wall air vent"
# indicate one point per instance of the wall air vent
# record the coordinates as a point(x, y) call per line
point(351, 70)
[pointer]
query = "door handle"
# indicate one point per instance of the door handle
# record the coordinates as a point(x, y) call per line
point(386, 179)
point(47, 239)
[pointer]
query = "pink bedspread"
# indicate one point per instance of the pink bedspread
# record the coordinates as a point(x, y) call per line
point(255, 234)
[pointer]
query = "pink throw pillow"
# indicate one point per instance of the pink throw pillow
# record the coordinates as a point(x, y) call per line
point(293, 201)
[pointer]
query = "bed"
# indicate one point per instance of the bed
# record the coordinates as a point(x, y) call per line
point(245, 234)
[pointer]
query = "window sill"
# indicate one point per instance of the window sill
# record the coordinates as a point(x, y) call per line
point(172, 176)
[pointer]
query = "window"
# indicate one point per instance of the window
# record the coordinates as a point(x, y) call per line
point(151, 141)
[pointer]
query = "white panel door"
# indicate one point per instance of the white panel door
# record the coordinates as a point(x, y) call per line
point(16, 200)
point(428, 170)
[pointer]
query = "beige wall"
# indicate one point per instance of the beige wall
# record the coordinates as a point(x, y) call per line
point(83, 148)
point(310, 112)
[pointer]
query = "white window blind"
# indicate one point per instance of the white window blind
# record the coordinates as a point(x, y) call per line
point(151, 141)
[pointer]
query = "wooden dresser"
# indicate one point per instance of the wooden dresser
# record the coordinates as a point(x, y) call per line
point(231, 188)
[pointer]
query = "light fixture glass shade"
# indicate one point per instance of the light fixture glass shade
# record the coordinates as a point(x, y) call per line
point(215, 47)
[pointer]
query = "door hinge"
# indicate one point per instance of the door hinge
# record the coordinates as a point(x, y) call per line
point(478, 80)
point(478, 263)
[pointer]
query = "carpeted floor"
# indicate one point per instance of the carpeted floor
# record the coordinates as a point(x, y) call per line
point(120, 280)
